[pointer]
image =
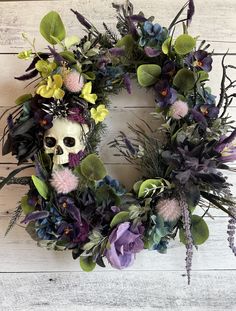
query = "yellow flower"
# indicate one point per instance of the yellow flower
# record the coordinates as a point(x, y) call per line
point(25, 54)
point(86, 93)
point(52, 88)
point(99, 113)
point(45, 67)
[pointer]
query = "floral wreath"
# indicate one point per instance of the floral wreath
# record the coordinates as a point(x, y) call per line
point(72, 203)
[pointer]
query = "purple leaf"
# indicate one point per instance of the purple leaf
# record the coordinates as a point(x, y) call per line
point(28, 76)
point(82, 19)
point(117, 51)
point(58, 58)
point(190, 13)
point(198, 117)
point(138, 18)
point(35, 216)
point(151, 52)
point(127, 83)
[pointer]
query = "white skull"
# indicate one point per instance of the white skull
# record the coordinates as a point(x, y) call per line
point(64, 137)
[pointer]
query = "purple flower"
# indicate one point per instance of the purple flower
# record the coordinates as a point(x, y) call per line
point(74, 232)
point(75, 158)
point(117, 51)
point(76, 115)
point(168, 70)
point(67, 206)
point(210, 111)
point(124, 243)
point(165, 95)
point(227, 148)
point(43, 119)
point(200, 60)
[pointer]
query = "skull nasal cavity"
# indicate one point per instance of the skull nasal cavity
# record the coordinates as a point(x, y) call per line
point(69, 141)
point(59, 150)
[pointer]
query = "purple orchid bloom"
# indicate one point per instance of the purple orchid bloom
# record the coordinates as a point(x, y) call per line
point(74, 232)
point(168, 70)
point(200, 60)
point(43, 119)
point(165, 95)
point(210, 111)
point(227, 148)
point(67, 205)
point(124, 243)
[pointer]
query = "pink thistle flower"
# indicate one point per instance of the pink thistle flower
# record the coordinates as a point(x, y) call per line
point(179, 109)
point(74, 82)
point(169, 209)
point(64, 181)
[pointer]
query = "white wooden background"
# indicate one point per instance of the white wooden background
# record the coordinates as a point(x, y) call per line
point(36, 279)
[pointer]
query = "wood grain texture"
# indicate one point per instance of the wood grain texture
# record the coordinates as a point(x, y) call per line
point(32, 278)
point(23, 254)
point(217, 19)
point(118, 291)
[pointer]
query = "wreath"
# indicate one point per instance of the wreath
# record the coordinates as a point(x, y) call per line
point(72, 204)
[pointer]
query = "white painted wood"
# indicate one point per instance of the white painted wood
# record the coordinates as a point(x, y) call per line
point(23, 255)
point(155, 281)
point(118, 291)
point(211, 22)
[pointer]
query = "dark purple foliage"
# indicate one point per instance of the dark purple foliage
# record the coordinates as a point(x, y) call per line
point(75, 158)
point(82, 19)
point(190, 13)
point(138, 18)
point(117, 51)
point(28, 76)
point(35, 216)
point(57, 57)
point(127, 83)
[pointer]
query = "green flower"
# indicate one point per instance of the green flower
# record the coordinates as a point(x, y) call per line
point(45, 67)
point(52, 88)
point(86, 93)
point(25, 54)
point(99, 113)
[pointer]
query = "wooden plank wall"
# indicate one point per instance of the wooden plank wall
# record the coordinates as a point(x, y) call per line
point(36, 279)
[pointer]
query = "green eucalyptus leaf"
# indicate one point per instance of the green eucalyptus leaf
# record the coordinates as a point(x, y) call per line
point(148, 186)
point(52, 26)
point(203, 76)
point(119, 218)
point(137, 185)
point(184, 80)
point(199, 230)
point(93, 168)
point(26, 207)
point(69, 56)
point(184, 44)
point(23, 98)
point(127, 42)
point(89, 75)
point(70, 41)
point(166, 46)
point(148, 74)
point(87, 264)
point(41, 186)
point(107, 193)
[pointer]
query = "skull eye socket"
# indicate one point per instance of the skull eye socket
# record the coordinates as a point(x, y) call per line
point(69, 141)
point(50, 142)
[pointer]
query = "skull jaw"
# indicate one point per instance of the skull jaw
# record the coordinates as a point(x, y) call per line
point(60, 159)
